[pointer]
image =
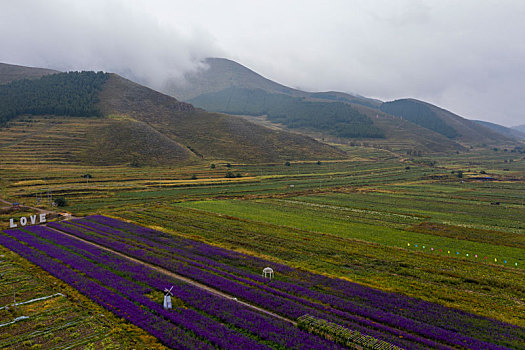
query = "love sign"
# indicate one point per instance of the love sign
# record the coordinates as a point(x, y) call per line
point(24, 220)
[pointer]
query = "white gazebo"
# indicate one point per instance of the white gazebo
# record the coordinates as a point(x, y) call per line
point(268, 272)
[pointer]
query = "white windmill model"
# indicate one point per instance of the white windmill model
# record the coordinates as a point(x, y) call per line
point(167, 298)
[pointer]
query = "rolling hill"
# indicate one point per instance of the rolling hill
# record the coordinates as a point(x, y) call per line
point(520, 128)
point(339, 119)
point(510, 132)
point(229, 87)
point(120, 122)
point(207, 135)
point(448, 124)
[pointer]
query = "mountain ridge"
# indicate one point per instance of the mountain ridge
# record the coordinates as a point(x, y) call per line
point(231, 88)
point(511, 132)
point(12, 72)
point(138, 125)
point(222, 73)
point(520, 128)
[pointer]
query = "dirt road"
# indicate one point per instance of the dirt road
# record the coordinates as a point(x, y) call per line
point(67, 216)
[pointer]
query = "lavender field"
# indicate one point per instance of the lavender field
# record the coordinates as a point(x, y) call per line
point(201, 319)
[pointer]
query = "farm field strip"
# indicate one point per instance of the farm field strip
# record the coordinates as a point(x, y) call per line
point(145, 180)
point(369, 308)
point(105, 292)
point(253, 277)
point(350, 219)
point(164, 271)
point(282, 306)
point(474, 212)
point(301, 216)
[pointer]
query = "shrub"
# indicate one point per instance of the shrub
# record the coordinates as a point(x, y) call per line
point(60, 202)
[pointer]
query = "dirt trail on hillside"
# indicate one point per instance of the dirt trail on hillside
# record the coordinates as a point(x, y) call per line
point(179, 277)
point(67, 216)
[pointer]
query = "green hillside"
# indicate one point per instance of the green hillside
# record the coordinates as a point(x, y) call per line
point(73, 94)
point(409, 125)
point(419, 114)
point(335, 118)
point(459, 129)
point(207, 135)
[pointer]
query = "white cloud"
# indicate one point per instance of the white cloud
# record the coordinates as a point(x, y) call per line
point(466, 56)
point(115, 35)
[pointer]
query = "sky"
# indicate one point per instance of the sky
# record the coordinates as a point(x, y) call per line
point(466, 56)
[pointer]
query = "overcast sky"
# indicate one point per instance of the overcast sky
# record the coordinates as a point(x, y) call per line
point(467, 56)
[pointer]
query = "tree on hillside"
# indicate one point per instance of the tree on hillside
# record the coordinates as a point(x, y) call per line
point(71, 94)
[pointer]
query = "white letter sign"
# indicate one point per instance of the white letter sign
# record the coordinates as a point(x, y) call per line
point(24, 221)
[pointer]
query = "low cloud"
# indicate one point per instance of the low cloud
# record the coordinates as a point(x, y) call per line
point(114, 35)
point(466, 56)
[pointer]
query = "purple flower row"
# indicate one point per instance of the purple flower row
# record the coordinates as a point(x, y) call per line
point(153, 324)
point(280, 304)
point(267, 328)
point(336, 303)
point(202, 326)
point(340, 294)
point(200, 299)
point(283, 333)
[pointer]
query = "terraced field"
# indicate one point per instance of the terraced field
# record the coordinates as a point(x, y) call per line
point(31, 141)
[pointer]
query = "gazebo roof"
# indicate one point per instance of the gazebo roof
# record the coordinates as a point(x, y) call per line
point(267, 269)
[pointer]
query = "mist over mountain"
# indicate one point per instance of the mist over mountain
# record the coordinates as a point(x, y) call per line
point(477, 74)
point(520, 128)
point(229, 87)
point(163, 129)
